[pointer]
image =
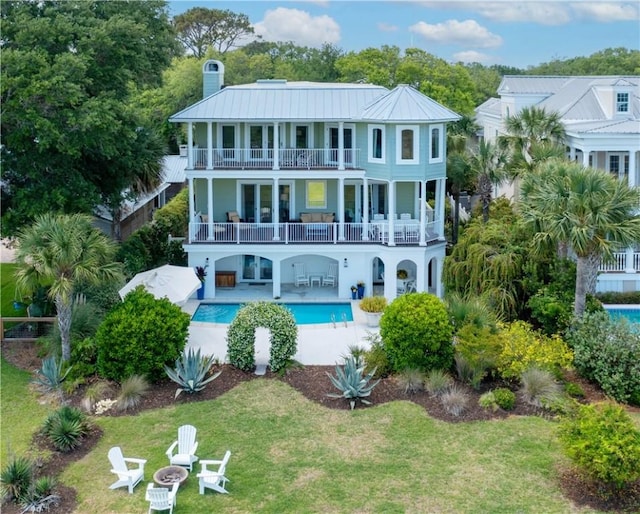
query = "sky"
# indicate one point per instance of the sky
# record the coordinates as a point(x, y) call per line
point(506, 32)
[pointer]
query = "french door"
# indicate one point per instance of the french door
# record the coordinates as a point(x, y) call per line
point(255, 267)
point(332, 142)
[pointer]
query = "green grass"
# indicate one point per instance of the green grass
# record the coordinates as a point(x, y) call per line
point(292, 455)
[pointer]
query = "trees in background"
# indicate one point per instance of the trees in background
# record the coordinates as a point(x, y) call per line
point(62, 251)
point(72, 138)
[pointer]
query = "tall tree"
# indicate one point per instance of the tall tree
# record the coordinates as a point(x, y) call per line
point(71, 135)
point(64, 250)
point(200, 29)
point(588, 209)
point(488, 166)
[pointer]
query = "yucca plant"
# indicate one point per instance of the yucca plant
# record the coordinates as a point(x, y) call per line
point(50, 375)
point(191, 371)
point(16, 478)
point(351, 380)
point(66, 427)
point(40, 496)
point(131, 392)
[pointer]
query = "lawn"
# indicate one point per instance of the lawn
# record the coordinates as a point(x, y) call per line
point(292, 455)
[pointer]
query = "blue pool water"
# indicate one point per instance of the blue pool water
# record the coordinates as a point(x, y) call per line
point(303, 313)
point(633, 315)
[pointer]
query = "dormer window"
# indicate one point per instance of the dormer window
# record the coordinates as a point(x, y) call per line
point(622, 102)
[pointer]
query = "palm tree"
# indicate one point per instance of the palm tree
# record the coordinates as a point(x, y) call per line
point(459, 175)
point(63, 250)
point(588, 209)
point(488, 166)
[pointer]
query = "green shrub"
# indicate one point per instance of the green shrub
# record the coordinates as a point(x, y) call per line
point(191, 370)
point(488, 401)
point(16, 478)
point(140, 336)
point(479, 345)
point(468, 372)
point(84, 358)
point(66, 428)
point(539, 387)
point(607, 351)
point(472, 310)
point(352, 382)
point(173, 217)
point(373, 304)
point(131, 392)
point(574, 390)
point(603, 442)
point(437, 381)
point(630, 297)
point(376, 358)
point(417, 333)
point(551, 311)
point(241, 335)
point(505, 398)
point(523, 347)
point(411, 381)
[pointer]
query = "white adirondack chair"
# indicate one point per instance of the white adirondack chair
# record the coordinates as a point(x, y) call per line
point(215, 480)
point(126, 477)
point(301, 276)
point(332, 275)
point(186, 446)
point(161, 498)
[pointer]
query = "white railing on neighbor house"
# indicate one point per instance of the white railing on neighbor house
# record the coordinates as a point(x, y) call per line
point(628, 262)
point(259, 158)
point(295, 233)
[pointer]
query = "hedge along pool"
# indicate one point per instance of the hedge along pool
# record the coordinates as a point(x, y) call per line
point(303, 313)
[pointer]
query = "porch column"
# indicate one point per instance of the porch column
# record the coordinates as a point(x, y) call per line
point(365, 209)
point(436, 276)
point(421, 283)
point(276, 146)
point(276, 277)
point(275, 208)
point(341, 209)
point(633, 173)
point(341, 145)
point(210, 285)
point(190, 145)
point(390, 214)
point(440, 199)
point(210, 208)
point(572, 153)
point(585, 158)
point(192, 210)
point(209, 145)
point(423, 213)
point(629, 261)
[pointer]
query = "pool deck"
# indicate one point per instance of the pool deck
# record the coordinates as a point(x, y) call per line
point(321, 344)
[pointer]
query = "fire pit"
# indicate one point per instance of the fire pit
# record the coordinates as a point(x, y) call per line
point(170, 475)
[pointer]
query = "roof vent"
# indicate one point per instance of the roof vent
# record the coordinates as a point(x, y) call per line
point(271, 81)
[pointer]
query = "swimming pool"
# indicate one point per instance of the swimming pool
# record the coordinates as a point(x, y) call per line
point(303, 313)
point(632, 314)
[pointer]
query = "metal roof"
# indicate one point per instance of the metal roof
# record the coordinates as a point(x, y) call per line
point(280, 100)
point(404, 103)
point(173, 167)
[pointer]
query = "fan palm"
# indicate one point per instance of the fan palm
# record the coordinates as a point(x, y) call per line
point(64, 250)
point(588, 209)
point(488, 166)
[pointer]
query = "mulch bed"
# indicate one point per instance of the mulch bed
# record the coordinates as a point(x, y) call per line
point(313, 383)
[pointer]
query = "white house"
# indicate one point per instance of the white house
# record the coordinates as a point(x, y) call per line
point(601, 116)
point(307, 185)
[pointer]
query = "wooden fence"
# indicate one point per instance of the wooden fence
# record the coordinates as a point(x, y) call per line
point(25, 328)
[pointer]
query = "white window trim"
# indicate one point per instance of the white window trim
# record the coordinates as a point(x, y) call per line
point(439, 127)
point(618, 103)
point(306, 195)
point(383, 158)
point(292, 135)
point(236, 136)
point(416, 144)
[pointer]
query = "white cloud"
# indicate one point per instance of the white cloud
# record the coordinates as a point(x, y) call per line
point(284, 24)
point(472, 56)
point(607, 11)
point(387, 27)
point(463, 33)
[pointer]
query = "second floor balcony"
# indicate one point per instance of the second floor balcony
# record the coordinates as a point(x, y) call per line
point(283, 158)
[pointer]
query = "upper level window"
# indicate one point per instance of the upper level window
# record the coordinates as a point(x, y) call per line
point(622, 102)
point(614, 163)
point(316, 194)
point(407, 144)
point(376, 143)
point(436, 143)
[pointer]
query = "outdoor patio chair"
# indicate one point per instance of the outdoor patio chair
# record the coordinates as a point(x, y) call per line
point(300, 275)
point(161, 498)
point(331, 277)
point(186, 445)
point(215, 480)
point(126, 477)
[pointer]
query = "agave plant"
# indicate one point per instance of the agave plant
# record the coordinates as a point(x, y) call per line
point(50, 375)
point(191, 370)
point(351, 380)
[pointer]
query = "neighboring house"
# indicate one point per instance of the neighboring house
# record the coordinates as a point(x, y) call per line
point(601, 116)
point(138, 212)
point(292, 183)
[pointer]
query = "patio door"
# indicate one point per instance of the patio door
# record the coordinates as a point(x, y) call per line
point(261, 142)
point(257, 202)
point(255, 267)
point(332, 142)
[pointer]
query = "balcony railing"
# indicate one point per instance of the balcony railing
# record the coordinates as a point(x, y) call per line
point(620, 263)
point(288, 158)
point(303, 233)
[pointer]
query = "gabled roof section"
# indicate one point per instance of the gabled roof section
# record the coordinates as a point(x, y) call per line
point(491, 106)
point(406, 104)
point(280, 100)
